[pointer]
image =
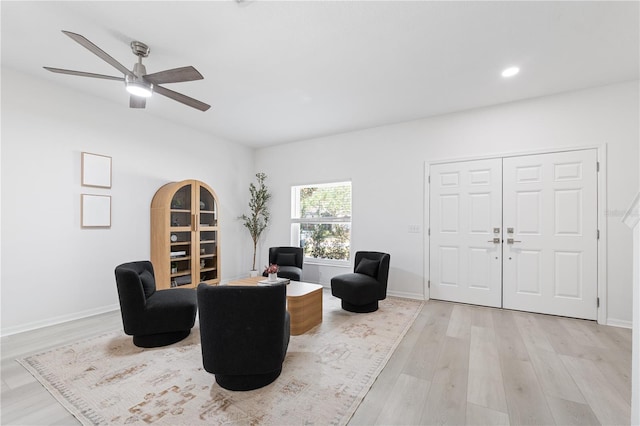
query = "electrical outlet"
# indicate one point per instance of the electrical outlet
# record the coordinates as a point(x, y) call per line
point(414, 229)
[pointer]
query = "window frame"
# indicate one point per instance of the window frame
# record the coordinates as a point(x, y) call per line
point(296, 221)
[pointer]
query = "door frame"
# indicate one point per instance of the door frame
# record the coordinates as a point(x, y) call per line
point(601, 155)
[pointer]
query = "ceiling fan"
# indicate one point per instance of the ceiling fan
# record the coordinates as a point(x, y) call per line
point(137, 82)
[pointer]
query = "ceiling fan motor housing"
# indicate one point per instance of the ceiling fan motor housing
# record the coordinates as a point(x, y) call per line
point(140, 49)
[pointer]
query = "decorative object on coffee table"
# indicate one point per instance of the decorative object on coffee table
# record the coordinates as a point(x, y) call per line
point(271, 272)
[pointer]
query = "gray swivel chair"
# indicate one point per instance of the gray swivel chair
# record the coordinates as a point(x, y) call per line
point(289, 261)
point(244, 333)
point(361, 290)
point(153, 317)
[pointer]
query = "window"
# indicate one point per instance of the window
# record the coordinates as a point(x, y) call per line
point(321, 221)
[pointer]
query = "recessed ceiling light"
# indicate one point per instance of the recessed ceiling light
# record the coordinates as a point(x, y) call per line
point(510, 72)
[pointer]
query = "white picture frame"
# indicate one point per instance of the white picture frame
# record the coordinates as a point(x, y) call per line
point(95, 211)
point(96, 170)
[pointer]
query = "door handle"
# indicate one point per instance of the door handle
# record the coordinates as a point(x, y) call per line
point(511, 241)
point(494, 241)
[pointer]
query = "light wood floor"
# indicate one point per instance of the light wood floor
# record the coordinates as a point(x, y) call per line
point(457, 365)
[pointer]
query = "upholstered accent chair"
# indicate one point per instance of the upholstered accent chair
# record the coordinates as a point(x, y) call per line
point(289, 261)
point(153, 317)
point(244, 333)
point(361, 290)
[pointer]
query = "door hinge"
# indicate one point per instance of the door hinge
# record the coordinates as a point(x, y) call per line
point(597, 166)
point(597, 302)
point(428, 179)
point(429, 284)
point(429, 231)
point(598, 234)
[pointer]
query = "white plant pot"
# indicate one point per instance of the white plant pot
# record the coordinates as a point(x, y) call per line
point(253, 273)
point(273, 277)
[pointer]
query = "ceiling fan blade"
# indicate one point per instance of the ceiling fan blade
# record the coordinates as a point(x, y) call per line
point(83, 74)
point(175, 75)
point(99, 52)
point(194, 103)
point(137, 102)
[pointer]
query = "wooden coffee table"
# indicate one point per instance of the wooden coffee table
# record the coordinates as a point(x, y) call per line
point(304, 303)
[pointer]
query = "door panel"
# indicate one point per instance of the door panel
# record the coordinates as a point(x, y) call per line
point(550, 201)
point(465, 207)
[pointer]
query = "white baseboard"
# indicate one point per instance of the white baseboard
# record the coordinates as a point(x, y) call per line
point(405, 294)
point(58, 320)
point(619, 323)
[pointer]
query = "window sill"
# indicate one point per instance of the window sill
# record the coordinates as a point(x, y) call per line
point(332, 264)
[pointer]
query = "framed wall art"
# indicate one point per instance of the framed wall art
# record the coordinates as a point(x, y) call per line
point(95, 211)
point(96, 170)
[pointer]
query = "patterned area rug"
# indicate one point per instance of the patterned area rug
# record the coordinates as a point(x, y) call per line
point(326, 374)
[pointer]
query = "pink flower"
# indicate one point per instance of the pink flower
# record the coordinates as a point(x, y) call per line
point(271, 269)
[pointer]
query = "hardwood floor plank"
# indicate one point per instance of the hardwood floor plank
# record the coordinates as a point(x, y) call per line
point(510, 344)
point(14, 375)
point(482, 316)
point(447, 400)
point(460, 322)
point(404, 405)
point(426, 350)
point(485, 386)
point(564, 342)
point(609, 347)
point(582, 332)
point(532, 335)
point(483, 416)
point(31, 404)
point(553, 376)
point(621, 336)
point(571, 413)
point(608, 405)
point(525, 400)
point(618, 373)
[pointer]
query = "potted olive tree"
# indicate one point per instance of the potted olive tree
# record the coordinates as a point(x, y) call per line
point(258, 219)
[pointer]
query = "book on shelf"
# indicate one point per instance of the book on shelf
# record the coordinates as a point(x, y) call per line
point(183, 280)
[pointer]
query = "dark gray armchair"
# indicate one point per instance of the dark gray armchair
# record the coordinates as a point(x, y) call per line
point(361, 290)
point(289, 261)
point(244, 333)
point(153, 317)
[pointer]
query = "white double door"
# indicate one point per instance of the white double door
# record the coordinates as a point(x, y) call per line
point(516, 232)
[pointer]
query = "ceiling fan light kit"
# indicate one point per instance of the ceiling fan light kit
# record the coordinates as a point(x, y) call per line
point(137, 82)
point(137, 85)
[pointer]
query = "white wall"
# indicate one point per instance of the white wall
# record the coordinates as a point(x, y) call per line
point(386, 165)
point(635, 368)
point(52, 270)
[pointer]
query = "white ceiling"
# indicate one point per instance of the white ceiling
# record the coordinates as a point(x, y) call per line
point(283, 71)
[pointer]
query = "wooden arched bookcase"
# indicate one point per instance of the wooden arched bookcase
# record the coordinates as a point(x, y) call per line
point(185, 249)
